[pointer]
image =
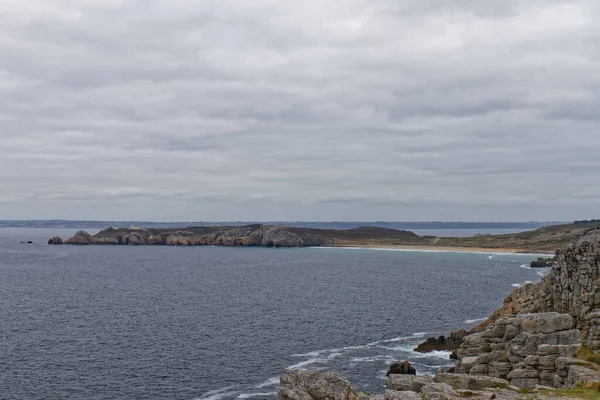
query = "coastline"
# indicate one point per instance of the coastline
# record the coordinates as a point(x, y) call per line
point(445, 249)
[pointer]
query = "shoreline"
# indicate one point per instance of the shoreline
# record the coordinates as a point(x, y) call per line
point(443, 249)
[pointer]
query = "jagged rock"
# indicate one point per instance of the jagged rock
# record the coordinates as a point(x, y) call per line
point(452, 342)
point(401, 368)
point(542, 263)
point(55, 240)
point(312, 385)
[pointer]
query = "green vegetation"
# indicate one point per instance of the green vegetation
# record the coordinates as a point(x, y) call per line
point(587, 354)
point(580, 391)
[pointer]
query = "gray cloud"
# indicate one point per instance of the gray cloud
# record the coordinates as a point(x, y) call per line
point(270, 109)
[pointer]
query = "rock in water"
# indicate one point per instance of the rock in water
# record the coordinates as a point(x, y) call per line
point(55, 240)
point(542, 263)
point(401, 368)
point(452, 342)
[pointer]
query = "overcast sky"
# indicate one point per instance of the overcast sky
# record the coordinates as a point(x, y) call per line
point(300, 110)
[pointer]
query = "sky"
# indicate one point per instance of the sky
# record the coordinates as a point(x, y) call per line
point(182, 110)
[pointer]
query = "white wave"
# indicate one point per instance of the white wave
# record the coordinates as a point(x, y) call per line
point(371, 359)
point(542, 273)
point(318, 353)
point(415, 354)
point(472, 321)
point(490, 257)
point(315, 360)
point(526, 266)
point(516, 285)
point(217, 394)
point(269, 382)
point(493, 253)
point(250, 395)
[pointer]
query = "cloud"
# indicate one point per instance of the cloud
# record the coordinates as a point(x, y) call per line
point(239, 110)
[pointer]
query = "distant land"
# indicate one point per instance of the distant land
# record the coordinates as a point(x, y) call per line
point(546, 239)
point(335, 225)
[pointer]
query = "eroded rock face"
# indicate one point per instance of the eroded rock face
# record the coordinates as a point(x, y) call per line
point(522, 349)
point(253, 235)
point(81, 238)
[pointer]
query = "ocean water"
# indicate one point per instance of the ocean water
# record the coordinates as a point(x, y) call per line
point(223, 323)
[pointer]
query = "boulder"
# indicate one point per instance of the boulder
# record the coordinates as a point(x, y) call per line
point(401, 368)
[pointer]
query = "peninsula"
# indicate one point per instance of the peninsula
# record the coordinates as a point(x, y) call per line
point(544, 240)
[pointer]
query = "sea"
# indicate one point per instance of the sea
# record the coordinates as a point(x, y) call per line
point(213, 323)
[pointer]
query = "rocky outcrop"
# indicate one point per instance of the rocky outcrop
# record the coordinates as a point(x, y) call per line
point(530, 342)
point(80, 238)
point(401, 368)
point(571, 287)
point(542, 263)
point(253, 235)
point(312, 385)
point(522, 349)
point(452, 342)
point(55, 240)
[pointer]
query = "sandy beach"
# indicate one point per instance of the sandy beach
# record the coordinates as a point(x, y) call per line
point(448, 249)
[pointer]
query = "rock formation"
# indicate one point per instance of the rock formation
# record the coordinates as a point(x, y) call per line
point(452, 342)
point(313, 385)
point(525, 349)
point(80, 238)
point(253, 235)
point(542, 263)
point(530, 342)
point(401, 368)
point(55, 240)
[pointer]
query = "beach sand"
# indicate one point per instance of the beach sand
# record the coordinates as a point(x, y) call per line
point(447, 248)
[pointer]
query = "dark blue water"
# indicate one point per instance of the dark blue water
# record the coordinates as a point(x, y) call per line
point(222, 323)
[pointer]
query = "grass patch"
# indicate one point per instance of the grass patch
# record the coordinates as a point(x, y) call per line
point(587, 354)
point(590, 391)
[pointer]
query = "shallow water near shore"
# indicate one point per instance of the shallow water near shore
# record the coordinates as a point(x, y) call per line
point(222, 323)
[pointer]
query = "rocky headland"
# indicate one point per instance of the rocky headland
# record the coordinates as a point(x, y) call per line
point(543, 343)
point(544, 240)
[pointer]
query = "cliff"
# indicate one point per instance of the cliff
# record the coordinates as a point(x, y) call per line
point(527, 349)
point(547, 239)
point(251, 235)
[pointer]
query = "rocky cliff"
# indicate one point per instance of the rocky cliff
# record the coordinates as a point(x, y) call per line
point(529, 343)
point(253, 235)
